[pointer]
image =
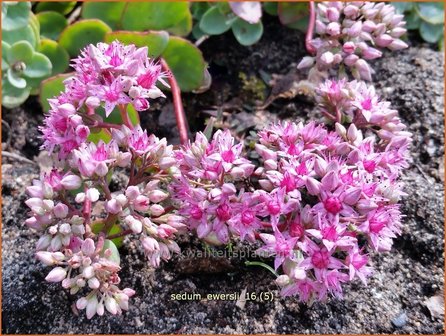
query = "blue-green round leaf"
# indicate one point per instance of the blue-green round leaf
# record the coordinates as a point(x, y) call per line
point(80, 34)
point(17, 15)
point(109, 12)
point(15, 80)
point(57, 55)
point(12, 96)
point(21, 51)
point(142, 16)
point(247, 34)
point(5, 49)
point(402, 7)
point(432, 12)
point(186, 62)
point(213, 22)
point(22, 34)
point(108, 244)
point(51, 24)
point(431, 33)
point(39, 66)
point(413, 20)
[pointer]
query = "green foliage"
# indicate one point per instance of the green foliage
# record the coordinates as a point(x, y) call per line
point(186, 63)
point(426, 17)
point(157, 15)
point(51, 87)
point(109, 12)
point(51, 24)
point(62, 7)
point(218, 18)
point(57, 55)
point(114, 256)
point(81, 33)
point(23, 67)
point(246, 33)
point(293, 14)
point(156, 41)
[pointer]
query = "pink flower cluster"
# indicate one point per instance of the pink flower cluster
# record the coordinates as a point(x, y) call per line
point(205, 191)
point(73, 206)
point(106, 76)
point(350, 34)
point(317, 192)
point(318, 199)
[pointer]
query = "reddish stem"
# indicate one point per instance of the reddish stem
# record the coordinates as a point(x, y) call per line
point(105, 125)
point(180, 116)
point(120, 234)
point(125, 116)
point(309, 37)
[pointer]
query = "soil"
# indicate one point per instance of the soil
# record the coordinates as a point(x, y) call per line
point(394, 300)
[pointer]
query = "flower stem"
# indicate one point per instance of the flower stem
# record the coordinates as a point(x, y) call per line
point(125, 116)
point(309, 36)
point(258, 263)
point(120, 234)
point(180, 116)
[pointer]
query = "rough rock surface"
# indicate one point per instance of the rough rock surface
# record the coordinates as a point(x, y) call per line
point(393, 302)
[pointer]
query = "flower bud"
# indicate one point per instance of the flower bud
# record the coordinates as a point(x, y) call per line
point(149, 244)
point(93, 102)
point(355, 30)
point(352, 132)
point(157, 196)
point(306, 62)
point(371, 53)
point(351, 60)
point(282, 280)
point(80, 197)
point(351, 11)
point(313, 186)
point(330, 181)
point(352, 196)
point(397, 45)
point(327, 58)
point(333, 29)
point(56, 275)
point(332, 14)
point(364, 69)
point(166, 162)
point(93, 283)
point(113, 206)
point(132, 192)
point(156, 210)
point(88, 247)
point(349, 47)
point(92, 194)
point(383, 40)
point(60, 210)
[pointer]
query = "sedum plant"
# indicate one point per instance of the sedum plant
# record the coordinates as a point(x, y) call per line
point(23, 66)
point(349, 35)
point(319, 201)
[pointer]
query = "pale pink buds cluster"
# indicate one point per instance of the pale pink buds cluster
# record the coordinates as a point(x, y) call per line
point(89, 267)
point(359, 104)
point(349, 34)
